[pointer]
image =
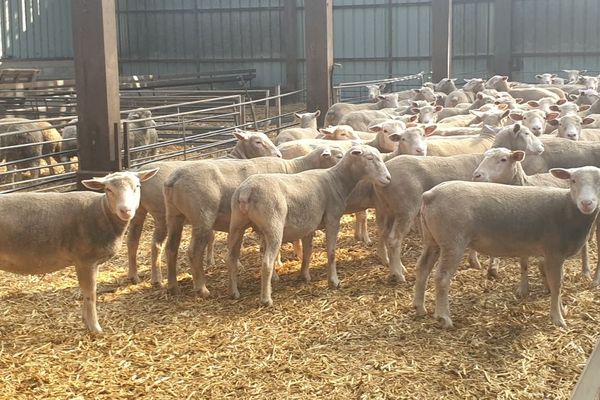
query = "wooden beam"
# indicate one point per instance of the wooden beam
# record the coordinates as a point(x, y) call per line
point(318, 31)
point(97, 86)
point(502, 37)
point(290, 18)
point(588, 386)
point(441, 39)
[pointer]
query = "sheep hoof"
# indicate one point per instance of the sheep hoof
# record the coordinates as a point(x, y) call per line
point(492, 273)
point(559, 322)
point(522, 292)
point(174, 291)
point(202, 292)
point(266, 302)
point(596, 283)
point(134, 280)
point(445, 322)
point(396, 278)
point(335, 284)
point(235, 295)
point(587, 274)
point(420, 310)
point(305, 278)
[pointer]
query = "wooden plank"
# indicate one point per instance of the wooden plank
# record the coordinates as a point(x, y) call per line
point(318, 31)
point(502, 37)
point(588, 386)
point(290, 28)
point(441, 39)
point(97, 86)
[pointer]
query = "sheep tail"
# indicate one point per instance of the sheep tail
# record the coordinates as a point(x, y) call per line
point(244, 199)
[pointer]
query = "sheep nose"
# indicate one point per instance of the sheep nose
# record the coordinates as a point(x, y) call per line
point(571, 135)
point(126, 210)
point(419, 150)
point(477, 176)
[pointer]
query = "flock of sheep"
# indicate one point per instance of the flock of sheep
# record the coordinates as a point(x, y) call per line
point(522, 160)
point(25, 143)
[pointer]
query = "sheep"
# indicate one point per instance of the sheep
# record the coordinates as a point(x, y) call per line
point(341, 132)
point(534, 119)
point(501, 165)
point(412, 176)
point(361, 119)
point(427, 114)
point(498, 82)
point(569, 126)
point(466, 94)
point(451, 146)
point(480, 100)
point(445, 85)
point(411, 141)
point(590, 82)
point(290, 207)
point(374, 91)
point(27, 135)
point(545, 78)
point(142, 132)
point(69, 146)
point(85, 230)
point(249, 145)
point(573, 75)
point(306, 130)
point(462, 124)
point(502, 220)
point(338, 110)
point(534, 93)
point(558, 81)
point(211, 184)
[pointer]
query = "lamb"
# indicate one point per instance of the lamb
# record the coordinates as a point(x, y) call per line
point(504, 166)
point(445, 85)
point(306, 130)
point(249, 145)
point(412, 176)
point(86, 230)
point(142, 132)
point(374, 91)
point(211, 183)
point(291, 207)
point(505, 221)
point(451, 146)
point(338, 110)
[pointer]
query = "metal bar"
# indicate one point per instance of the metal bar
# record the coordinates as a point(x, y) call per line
point(441, 39)
point(502, 37)
point(318, 31)
point(390, 27)
point(278, 106)
point(97, 85)
point(290, 18)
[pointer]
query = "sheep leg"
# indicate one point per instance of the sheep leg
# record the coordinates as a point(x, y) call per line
point(272, 245)
point(523, 289)
point(210, 250)
point(86, 275)
point(381, 247)
point(426, 262)
point(542, 270)
point(234, 246)
point(298, 249)
point(473, 260)
point(133, 240)
point(554, 273)
point(200, 238)
point(492, 271)
point(585, 261)
point(278, 262)
point(448, 264)
point(175, 227)
point(398, 228)
point(158, 241)
point(307, 248)
point(331, 233)
point(361, 232)
point(596, 280)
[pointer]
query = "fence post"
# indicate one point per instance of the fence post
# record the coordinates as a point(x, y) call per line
point(502, 37)
point(441, 39)
point(318, 31)
point(97, 86)
point(290, 16)
point(278, 106)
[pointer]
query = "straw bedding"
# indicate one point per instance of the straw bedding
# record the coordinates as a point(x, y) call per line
point(360, 342)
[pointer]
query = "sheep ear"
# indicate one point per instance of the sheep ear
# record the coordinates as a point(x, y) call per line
point(240, 134)
point(375, 128)
point(394, 136)
point(516, 128)
point(584, 107)
point(412, 118)
point(330, 130)
point(411, 125)
point(502, 106)
point(381, 97)
point(143, 176)
point(298, 115)
point(561, 173)
point(317, 113)
point(480, 96)
point(476, 113)
point(553, 122)
point(439, 108)
point(517, 155)
point(538, 76)
point(356, 151)
point(415, 110)
point(519, 100)
point(552, 115)
point(505, 78)
point(533, 103)
point(561, 101)
point(588, 120)
point(554, 107)
point(430, 129)
point(573, 97)
point(94, 183)
point(515, 116)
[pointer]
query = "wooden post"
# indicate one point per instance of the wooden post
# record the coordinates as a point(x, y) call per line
point(502, 37)
point(588, 386)
point(441, 39)
point(290, 18)
point(318, 31)
point(97, 86)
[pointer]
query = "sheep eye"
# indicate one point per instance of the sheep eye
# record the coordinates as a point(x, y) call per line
point(573, 181)
point(403, 139)
point(370, 158)
point(503, 159)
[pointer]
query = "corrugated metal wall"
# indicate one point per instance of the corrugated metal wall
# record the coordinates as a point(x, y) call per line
point(372, 38)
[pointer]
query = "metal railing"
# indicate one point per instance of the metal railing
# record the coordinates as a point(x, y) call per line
point(188, 124)
point(355, 92)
